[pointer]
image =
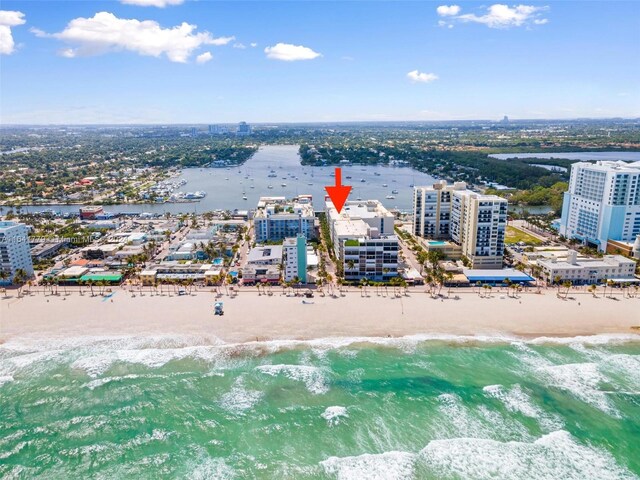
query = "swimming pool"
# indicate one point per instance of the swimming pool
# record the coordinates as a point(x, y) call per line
point(436, 242)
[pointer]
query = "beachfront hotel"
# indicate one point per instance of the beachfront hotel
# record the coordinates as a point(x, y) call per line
point(295, 258)
point(587, 271)
point(364, 240)
point(602, 203)
point(15, 253)
point(276, 218)
point(474, 221)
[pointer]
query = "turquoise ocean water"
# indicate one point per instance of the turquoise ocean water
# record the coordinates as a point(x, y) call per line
point(415, 407)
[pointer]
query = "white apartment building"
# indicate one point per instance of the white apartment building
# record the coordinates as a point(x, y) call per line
point(432, 209)
point(15, 252)
point(363, 239)
point(474, 221)
point(295, 258)
point(602, 203)
point(478, 224)
point(276, 218)
point(586, 271)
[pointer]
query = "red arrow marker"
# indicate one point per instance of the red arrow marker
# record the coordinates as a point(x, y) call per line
point(339, 193)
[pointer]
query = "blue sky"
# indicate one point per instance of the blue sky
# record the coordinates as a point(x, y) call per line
point(94, 62)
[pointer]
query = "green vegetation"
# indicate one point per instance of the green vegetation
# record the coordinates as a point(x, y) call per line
point(514, 235)
point(538, 195)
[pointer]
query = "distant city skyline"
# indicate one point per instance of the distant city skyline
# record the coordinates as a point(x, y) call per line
point(209, 62)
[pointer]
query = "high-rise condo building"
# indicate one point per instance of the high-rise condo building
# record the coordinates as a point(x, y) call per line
point(478, 224)
point(294, 257)
point(276, 218)
point(243, 129)
point(474, 221)
point(432, 209)
point(15, 253)
point(602, 203)
point(363, 240)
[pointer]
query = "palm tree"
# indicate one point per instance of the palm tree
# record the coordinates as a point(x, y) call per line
point(422, 257)
point(566, 284)
point(610, 284)
point(20, 277)
point(449, 278)
point(508, 283)
point(4, 275)
point(592, 290)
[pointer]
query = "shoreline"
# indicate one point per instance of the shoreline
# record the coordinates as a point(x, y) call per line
point(253, 317)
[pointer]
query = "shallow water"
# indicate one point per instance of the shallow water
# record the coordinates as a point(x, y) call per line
point(415, 407)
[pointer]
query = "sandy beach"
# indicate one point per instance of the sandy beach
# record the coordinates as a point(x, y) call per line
point(249, 316)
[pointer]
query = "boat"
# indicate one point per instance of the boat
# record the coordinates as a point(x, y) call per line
point(270, 187)
point(283, 184)
point(395, 192)
point(310, 183)
point(272, 175)
point(244, 197)
point(385, 185)
point(411, 185)
point(362, 180)
point(389, 197)
point(376, 174)
point(252, 186)
point(348, 177)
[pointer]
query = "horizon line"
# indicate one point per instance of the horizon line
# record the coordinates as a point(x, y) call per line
point(318, 122)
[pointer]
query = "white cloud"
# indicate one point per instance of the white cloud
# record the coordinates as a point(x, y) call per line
point(253, 44)
point(218, 42)
point(290, 53)
point(105, 32)
point(239, 45)
point(416, 76)
point(448, 10)
point(8, 19)
point(204, 57)
point(152, 3)
point(497, 16)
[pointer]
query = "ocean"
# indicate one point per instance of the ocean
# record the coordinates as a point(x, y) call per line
point(421, 407)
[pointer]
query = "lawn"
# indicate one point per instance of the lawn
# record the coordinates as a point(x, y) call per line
point(513, 235)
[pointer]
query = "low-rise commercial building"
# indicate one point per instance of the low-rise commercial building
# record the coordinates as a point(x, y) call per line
point(586, 271)
point(42, 250)
point(252, 274)
point(90, 212)
point(265, 255)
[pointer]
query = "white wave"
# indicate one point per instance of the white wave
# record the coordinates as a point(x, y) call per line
point(626, 366)
point(314, 378)
point(553, 456)
point(593, 340)
point(239, 399)
point(334, 415)
point(516, 400)
point(18, 346)
point(461, 418)
point(206, 468)
point(582, 380)
point(6, 379)
point(95, 364)
point(383, 466)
